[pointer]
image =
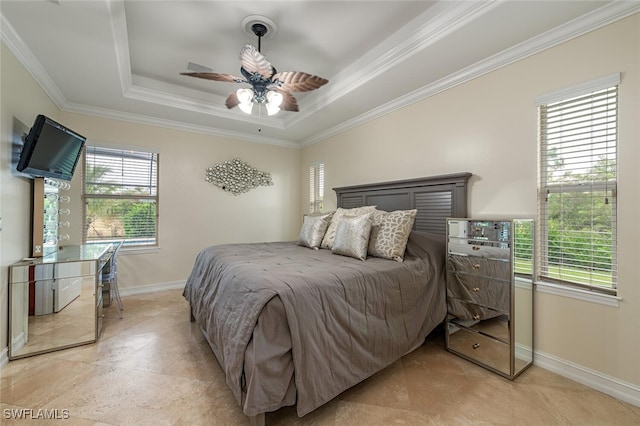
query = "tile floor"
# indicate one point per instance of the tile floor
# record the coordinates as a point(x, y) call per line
point(153, 367)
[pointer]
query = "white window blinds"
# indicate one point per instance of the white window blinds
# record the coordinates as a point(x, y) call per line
point(120, 194)
point(577, 197)
point(316, 187)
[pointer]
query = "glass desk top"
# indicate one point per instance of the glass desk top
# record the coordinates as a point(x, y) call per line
point(91, 251)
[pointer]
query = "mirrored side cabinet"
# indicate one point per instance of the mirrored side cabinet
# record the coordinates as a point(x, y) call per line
point(489, 293)
point(55, 302)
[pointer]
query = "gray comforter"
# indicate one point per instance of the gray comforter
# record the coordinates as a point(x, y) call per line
point(347, 318)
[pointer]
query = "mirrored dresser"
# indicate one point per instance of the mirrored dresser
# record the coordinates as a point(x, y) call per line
point(55, 301)
point(489, 293)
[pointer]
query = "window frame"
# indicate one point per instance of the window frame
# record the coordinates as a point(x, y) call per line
point(316, 187)
point(155, 198)
point(545, 189)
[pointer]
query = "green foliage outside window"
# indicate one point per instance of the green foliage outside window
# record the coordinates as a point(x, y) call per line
point(117, 212)
point(580, 225)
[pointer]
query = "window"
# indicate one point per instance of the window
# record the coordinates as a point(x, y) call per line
point(577, 188)
point(316, 187)
point(120, 196)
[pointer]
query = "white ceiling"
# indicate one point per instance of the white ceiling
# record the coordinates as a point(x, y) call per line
point(122, 59)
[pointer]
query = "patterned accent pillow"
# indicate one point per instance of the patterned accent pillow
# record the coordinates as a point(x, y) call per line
point(330, 235)
point(313, 229)
point(352, 236)
point(390, 232)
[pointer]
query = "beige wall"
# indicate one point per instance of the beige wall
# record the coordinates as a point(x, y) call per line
point(488, 127)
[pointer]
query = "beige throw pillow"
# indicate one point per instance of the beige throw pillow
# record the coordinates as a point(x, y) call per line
point(352, 236)
point(330, 235)
point(313, 230)
point(390, 232)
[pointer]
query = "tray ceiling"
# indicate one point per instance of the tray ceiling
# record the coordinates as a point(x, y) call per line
point(122, 59)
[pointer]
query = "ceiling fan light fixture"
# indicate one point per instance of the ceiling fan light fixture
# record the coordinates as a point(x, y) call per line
point(274, 98)
point(272, 109)
point(244, 95)
point(245, 99)
point(246, 107)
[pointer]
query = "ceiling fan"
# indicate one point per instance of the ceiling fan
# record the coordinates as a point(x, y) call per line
point(268, 87)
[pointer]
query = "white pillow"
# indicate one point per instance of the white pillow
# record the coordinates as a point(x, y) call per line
point(352, 236)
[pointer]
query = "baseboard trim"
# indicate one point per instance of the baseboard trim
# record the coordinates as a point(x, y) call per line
point(604, 383)
point(151, 288)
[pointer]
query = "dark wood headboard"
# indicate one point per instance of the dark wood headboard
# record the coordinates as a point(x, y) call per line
point(436, 198)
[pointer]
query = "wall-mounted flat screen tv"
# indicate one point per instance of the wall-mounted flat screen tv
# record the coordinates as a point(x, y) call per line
point(50, 150)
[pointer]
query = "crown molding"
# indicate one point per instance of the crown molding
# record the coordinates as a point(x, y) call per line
point(599, 18)
point(424, 30)
point(176, 125)
point(28, 60)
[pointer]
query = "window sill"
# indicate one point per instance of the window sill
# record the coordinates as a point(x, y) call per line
point(579, 294)
point(139, 250)
point(524, 283)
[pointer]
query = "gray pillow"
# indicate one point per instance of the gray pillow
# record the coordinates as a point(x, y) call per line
point(313, 229)
point(352, 236)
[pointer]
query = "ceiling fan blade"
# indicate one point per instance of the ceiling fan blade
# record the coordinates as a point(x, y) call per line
point(289, 102)
point(232, 100)
point(296, 81)
point(192, 66)
point(255, 62)
point(215, 76)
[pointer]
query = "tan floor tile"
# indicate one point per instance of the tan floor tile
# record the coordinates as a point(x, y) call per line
point(364, 414)
point(184, 359)
point(48, 380)
point(215, 405)
point(121, 396)
point(388, 388)
point(322, 416)
point(107, 351)
point(587, 407)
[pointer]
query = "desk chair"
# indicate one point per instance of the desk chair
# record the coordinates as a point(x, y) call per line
point(110, 275)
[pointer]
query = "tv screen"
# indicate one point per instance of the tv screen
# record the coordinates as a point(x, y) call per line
point(50, 150)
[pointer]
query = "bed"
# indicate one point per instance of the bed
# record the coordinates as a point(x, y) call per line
point(295, 326)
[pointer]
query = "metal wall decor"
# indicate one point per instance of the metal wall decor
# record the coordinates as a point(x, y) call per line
point(236, 176)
